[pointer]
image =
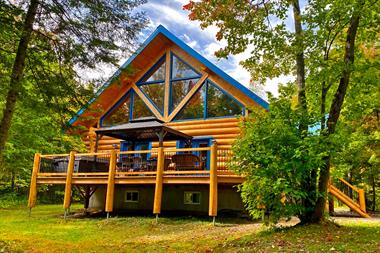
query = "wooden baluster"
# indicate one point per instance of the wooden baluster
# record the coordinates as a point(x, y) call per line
point(213, 195)
point(33, 182)
point(111, 183)
point(362, 200)
point(68, 185)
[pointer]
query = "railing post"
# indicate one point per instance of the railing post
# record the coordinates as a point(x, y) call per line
point(33, 182)
point(159, 177)
point(111, 183)
point(213, 198)
point(362, 200)
point(69, 175)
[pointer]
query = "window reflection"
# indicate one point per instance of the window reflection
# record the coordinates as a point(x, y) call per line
point(120, 114)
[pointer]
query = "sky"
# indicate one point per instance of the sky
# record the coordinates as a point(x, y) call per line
point(170, 14)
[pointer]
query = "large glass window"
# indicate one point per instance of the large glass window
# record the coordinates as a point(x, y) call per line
point(140, 109)
point(180, 90)
point(183, 78)
point(194, 109)
point(119, 114)
point(153, 84)
point(181, 70)
point(156, 73)
point(220, 104)
point(155, 92)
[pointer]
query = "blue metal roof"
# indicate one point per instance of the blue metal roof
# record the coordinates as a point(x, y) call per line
point(161, 29)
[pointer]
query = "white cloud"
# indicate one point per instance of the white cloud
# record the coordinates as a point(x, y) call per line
point(172, 16)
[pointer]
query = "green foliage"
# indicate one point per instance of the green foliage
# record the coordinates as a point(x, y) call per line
point(275, 159)
point(69, 38)
point(272, 148)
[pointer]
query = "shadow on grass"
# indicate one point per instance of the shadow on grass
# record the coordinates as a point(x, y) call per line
point(329, 236)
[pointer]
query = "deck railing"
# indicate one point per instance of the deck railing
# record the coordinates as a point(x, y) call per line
point(176, 161)
point(179, 165)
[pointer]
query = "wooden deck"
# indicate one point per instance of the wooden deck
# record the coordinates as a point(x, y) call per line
point(106, 168)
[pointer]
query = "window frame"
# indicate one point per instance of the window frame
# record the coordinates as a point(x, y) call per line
point(192, 192)
point(195, 144)
point(132, 201)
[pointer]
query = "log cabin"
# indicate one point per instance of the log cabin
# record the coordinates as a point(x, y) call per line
point(159, 134)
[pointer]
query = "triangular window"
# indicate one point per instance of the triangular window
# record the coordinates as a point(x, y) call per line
point(179, 91)
point(155, 92)
point(119, 114)
point(156, 74)
point(181, 70)
point(140, 109)
point(220, 104)
point(195, 108)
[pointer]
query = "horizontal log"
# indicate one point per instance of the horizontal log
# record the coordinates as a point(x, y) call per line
point(210, 132)
point(107, 147)
point(225, 141)
point(206, 126)
point(225, 136)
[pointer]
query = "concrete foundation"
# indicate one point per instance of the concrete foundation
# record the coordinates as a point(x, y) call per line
point(173, 199)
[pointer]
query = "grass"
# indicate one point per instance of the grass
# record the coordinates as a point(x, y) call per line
point(46, 231)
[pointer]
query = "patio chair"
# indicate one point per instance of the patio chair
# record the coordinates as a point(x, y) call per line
point(186, 162)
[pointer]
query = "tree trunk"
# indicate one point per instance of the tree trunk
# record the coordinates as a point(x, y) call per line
point(13, 178)
point(373, 193)
point(87, 196)
point(335, 110)
point(15, 84)
point(309, 183)
point(300, 61)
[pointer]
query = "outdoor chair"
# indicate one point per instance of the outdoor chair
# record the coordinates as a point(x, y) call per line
point(186, 162)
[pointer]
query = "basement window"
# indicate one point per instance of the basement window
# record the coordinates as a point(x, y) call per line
point(192, 198)
point(132, 196)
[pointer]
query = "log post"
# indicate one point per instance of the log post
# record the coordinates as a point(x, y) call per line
point(68, 186)
point(159, 177)
point(33, 181)
point(213, 198)
point(92, 139)
point(362, 200)
point(111, 183)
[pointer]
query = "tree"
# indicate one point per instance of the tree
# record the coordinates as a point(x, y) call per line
point(260, 25)
point(76, 34)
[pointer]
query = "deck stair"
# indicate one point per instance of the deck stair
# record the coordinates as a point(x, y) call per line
point(343, 189)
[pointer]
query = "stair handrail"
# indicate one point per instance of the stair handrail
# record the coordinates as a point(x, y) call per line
point(349, 185)
point(360, 192)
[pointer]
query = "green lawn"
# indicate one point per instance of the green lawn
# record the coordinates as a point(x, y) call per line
point(46, 231)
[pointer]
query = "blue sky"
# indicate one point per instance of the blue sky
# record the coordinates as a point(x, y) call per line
point(170, 14)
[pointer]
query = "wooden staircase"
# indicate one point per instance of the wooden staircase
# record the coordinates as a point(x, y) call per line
point(356, 203)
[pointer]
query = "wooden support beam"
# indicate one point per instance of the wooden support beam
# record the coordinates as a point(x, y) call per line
point(362, 200)
point(167, 86)
point(213, 198)
point(68, 185)
point(111, 183)
point(159, 183)
point(33, 181)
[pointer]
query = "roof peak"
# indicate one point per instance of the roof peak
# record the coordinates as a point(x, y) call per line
point(160, 29)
